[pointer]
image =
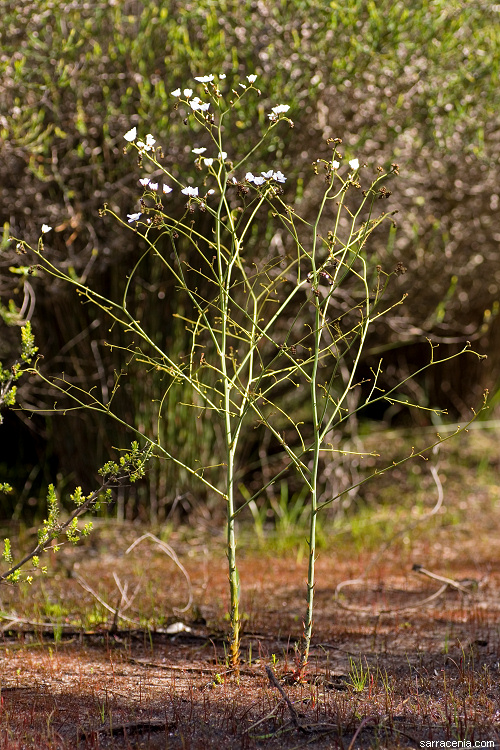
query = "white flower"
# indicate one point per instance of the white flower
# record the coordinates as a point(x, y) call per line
point(153, 186)
point(131, 135)
point(223, 155)
point(249, 177)
point(204, 79)
point(222, 76)
point(187, 93)
point(198, 150)
point(196, 104)
point(335, 164)
point(133, 217)
point(191, 191)
point(211, 192)
point(243, 85)
point(354, 164)
point(166, 189)
point(280, 109)
point(46, 228)
point(252, 78)
point(177, 92)
point(208, 162)
point(258, 180)
point(279, 177)
point(233, 181)
point(267, 175)
point(144, 182)
point(150, 141)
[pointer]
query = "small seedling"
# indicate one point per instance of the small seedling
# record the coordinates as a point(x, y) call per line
point(359, 675)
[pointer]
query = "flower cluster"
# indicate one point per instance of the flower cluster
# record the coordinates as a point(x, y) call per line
point(196, 104)
point(264, 176)
point(147, 183)
point(280, 109)
point(208, 161)
point(131, 136)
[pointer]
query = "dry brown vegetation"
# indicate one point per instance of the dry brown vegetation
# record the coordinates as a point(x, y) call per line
point(73, 675)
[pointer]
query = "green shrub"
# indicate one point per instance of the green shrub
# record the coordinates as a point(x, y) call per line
point(414, 85)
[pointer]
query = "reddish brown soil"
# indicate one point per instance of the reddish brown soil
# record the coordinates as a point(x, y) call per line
point(376, 679)
point(433, 672)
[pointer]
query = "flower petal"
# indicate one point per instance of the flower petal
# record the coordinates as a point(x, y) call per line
point(131, 135)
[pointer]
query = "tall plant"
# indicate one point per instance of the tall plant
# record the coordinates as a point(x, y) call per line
point(296, 316)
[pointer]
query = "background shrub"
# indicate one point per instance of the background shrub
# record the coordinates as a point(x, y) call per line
point(414, 86)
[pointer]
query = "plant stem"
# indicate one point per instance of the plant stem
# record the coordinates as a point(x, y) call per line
point(230, 436)
point(308, 624)
point(234, 643)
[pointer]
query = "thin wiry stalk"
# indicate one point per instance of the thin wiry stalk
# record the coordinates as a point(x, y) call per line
point(243, 334)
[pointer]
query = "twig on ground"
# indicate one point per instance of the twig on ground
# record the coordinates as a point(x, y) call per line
point(167, 549)
point(40, 625)
point(305, 728)
point(116, 612)
point(408, 527)
point(274, 682)
point(378, 612)
point(448, 581)
point(131, 727)
point(412, 524)
point(124, 602)
point(363, 724)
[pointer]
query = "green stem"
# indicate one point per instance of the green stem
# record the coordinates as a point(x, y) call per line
point(308, 623)
point(224, 279)
point(234, 643)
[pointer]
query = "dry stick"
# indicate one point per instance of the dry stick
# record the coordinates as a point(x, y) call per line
point(274, 682)
point(167, 549)
point(377, 613)
point(116, 612)
point(124, 602)
point(447, 581)
point(413, 524)
point(132, 727)
point(123, 591)
point(176, 667)
point(38, 625)
point(306, 728)
point(262, 720)
point(409, 527)
point(188, 668)
point(363, 724)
